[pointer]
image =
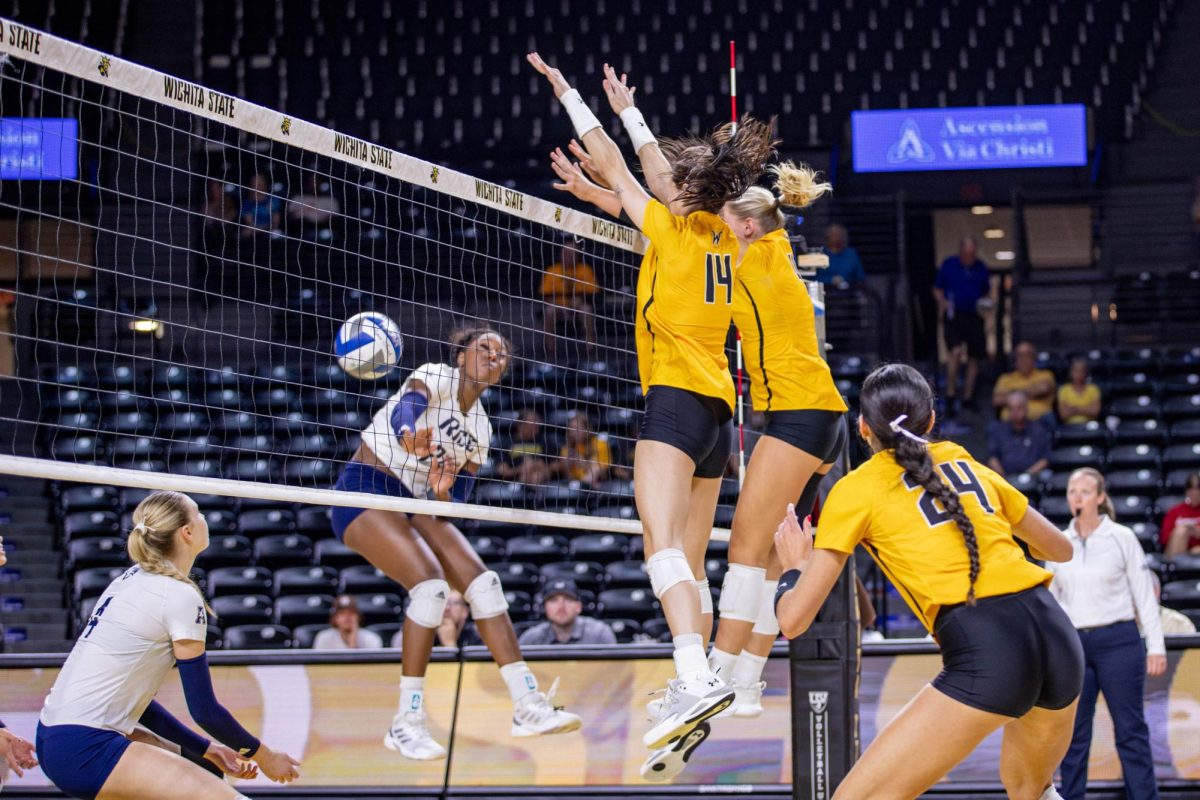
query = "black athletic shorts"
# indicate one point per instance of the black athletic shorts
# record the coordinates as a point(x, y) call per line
point(966, 328)
point(818, 433)
point(698, 425)
point(1009, 653)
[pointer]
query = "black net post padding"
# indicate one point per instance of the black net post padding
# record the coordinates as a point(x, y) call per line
point(826, 664)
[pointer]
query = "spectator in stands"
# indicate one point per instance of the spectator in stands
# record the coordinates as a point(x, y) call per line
point(569, 289)
point(962, 282)
point(1181, 525)
point(315, 206)
point(220, 208)
point(1174, 623)
point(524, 460)
point(260, 211)
point(1037, 384)
point(456, 630)
point(845, 268)
point(1019, 444)
point(345, 631)
point(565, 623)
point(1102, 593)
point(584, 456)
point(1079, 400)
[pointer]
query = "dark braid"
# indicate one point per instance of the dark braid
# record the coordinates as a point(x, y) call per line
point(896, 390)
point(918, 464)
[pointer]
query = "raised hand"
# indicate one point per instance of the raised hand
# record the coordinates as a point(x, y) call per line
point(620, 93)
point(588, 165)
point(557, 81)
point(230, 762)
point(573, 180)
point(794, 541)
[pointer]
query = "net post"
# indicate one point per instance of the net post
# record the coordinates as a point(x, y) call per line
point(826, 664)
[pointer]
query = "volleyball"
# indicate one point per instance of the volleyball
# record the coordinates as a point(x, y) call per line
point(368, 345)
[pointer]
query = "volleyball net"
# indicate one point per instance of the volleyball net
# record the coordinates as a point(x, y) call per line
point(176, 263)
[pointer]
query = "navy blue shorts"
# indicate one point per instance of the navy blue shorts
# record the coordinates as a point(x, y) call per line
point(359, 477)
point(698, 425)
point(1009, 653)
point(79, 759)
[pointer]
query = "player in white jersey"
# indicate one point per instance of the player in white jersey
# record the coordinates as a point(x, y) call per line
point(90, 740)
point(429, 440)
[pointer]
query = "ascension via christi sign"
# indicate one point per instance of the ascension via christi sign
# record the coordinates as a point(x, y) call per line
point(998, 137)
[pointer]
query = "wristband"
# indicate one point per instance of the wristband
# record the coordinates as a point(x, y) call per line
point(636, 127)
point(786, 581)
point(581, 116)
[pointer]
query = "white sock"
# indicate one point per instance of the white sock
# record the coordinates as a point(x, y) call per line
point(519, 680)
point(721, 662)
point(1051, 794)
point(749, 669)
point(689, 655)
point(412, 693)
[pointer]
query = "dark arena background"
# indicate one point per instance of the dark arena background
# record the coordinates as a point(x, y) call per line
point(194, 196)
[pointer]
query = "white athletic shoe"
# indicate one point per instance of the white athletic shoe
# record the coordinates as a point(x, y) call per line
point(749, 700)
point(664, 764)
point(409, 736)
point(536, 715)
point(688, 702)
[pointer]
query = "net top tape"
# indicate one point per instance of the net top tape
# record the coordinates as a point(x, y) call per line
point(71, 58)
point(53, 52)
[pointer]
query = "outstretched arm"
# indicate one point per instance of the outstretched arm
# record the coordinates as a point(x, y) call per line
point(809, 577)
point(575, 183)
point(604, 151)
point(655, 166)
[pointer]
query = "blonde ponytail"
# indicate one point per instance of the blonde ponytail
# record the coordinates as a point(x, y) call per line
point(795, 186)
point(152, 539)
point(798, 186)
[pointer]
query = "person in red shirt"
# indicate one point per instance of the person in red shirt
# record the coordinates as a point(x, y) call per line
point(1181, 525)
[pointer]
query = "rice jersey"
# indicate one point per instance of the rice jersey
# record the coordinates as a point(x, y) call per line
point(463, 435)
point(775, 316)
point(125, 652)
point(917, 543)
point(685, 301)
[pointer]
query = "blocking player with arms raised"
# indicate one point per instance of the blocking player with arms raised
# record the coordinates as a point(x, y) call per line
point(943, 528)
point(684, 309)
point(430, 439)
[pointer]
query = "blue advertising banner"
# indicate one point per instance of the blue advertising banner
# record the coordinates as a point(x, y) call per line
point(33, 148)
point(998, 137)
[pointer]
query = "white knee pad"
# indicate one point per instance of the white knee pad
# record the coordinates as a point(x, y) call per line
point(667, 568)
point(427, 601)
point(705, 591)
point(741, 592)
point(766, 623)
point(485, 595)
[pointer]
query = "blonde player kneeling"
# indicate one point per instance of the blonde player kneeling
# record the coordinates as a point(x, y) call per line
point(941, 526)
point(149, 620)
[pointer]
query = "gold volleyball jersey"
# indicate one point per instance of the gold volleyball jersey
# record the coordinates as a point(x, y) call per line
point(684, 302)
point(777, 321)
point(917, 543)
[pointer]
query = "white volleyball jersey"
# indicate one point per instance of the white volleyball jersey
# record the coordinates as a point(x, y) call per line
point(463, 435)
point(125, 652)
